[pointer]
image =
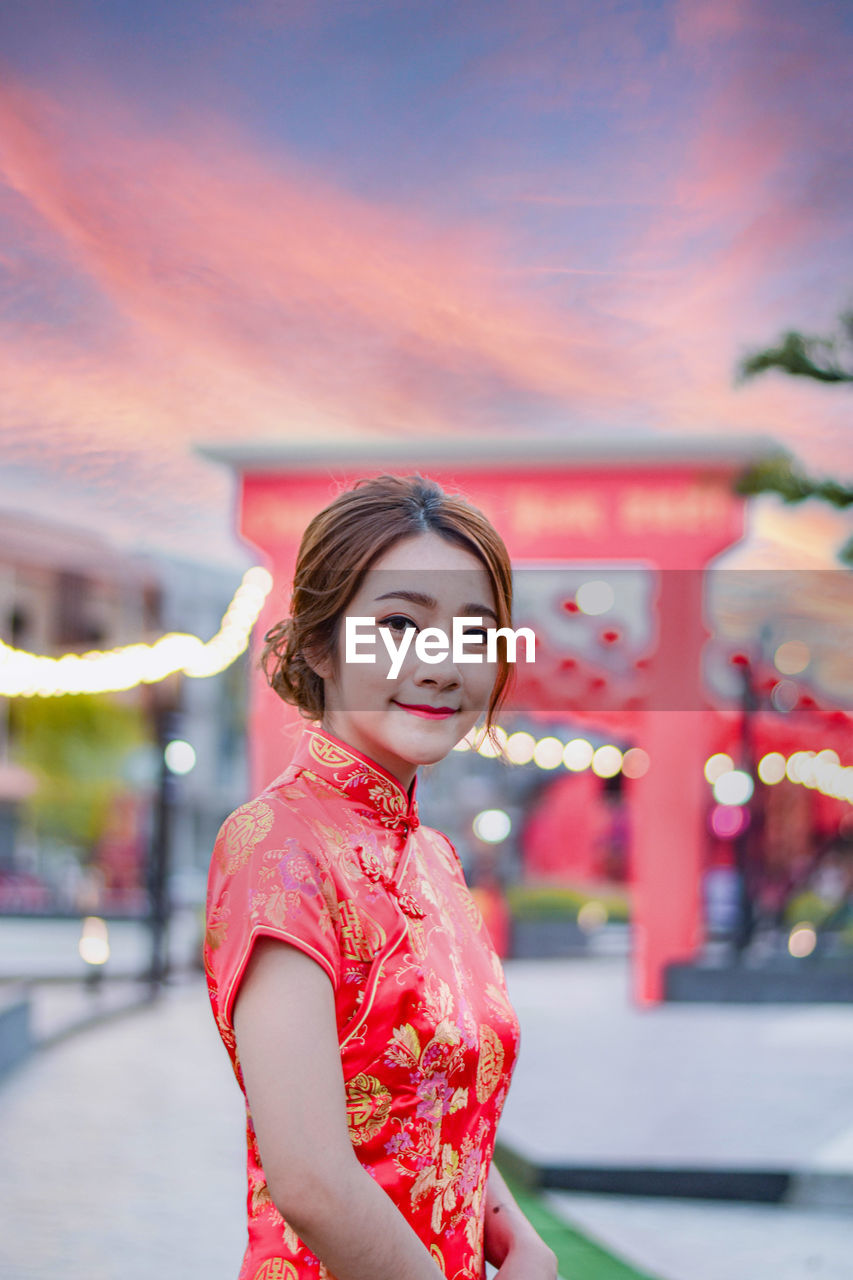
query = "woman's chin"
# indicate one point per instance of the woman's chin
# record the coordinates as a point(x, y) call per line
point(429, 749)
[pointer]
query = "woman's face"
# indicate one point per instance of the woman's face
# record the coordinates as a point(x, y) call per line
point(405, 711)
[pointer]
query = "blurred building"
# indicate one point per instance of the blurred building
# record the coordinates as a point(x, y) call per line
point(65, 590)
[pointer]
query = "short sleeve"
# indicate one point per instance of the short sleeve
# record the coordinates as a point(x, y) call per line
point(265, 881)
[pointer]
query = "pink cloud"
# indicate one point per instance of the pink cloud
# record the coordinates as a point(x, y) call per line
point(226, 293)
point(202, 245)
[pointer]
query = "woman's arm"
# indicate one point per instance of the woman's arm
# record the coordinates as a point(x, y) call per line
point(284, 1021)
point(512, 1245)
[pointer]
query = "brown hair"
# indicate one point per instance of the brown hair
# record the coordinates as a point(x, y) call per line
point(337, 549)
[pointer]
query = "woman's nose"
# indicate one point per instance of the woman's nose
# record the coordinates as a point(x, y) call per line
point(442, 672)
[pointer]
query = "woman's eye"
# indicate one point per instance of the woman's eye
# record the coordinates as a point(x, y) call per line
point(396, 622)
point(477, 634)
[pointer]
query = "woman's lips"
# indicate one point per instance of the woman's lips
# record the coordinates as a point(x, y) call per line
point(428, 713)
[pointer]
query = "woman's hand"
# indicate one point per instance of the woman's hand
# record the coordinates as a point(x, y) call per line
point(511, 1243)
point(532, 1260)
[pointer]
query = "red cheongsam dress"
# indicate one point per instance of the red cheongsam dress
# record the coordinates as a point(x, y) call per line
point(331, 859)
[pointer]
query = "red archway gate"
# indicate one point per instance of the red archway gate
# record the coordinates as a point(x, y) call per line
point(669, 503)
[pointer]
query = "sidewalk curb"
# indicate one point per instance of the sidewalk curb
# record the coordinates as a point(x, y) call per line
point(579, 1252)
point(97, 1019)
point(20, 1042)
point(813, 1188)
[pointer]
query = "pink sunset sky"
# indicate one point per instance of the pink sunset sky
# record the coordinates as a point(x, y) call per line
point(266, 220)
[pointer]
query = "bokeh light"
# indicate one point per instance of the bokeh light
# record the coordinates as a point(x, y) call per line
point(592, 916)
point(728, 820)
point(180, 757)
point(492, 825)
point(493, 744)
point(94, 944)
point(548, 753)
point(717, 765)
point(784, 696)
point(607, 761)
point(595, 597)
point(802, 939)
point(771, 768)
point(796, 761)
point(635, 762)
point(792, 657)
point(520, 747)
point(577, 754)
point(733, 787)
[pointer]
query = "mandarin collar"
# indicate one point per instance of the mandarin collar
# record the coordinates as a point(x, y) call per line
point(377, 793)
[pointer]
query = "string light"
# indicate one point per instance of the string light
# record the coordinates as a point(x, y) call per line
point(717, 765)
point(819, 771)
point(577, 755)
point(521, 748)
point(28, 675)
point(771, 768)
point(607, 761)
point(548, 753)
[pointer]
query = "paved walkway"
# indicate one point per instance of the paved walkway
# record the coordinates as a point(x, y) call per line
point(123, 1152)
point(123, 1146)
point(766, 1086)
point(694, 1240)
point(602, 1082)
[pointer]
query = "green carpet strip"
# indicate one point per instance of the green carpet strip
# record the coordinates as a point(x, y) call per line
point(578, 1258)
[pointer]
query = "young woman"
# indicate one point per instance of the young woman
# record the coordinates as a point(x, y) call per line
point(351, 977)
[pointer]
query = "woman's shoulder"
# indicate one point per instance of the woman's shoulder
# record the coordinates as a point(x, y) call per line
point(296, 811)
point(283, 811)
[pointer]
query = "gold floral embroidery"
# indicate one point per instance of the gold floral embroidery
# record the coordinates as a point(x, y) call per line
point(241, 832)
point(418, 937)
point(490, 1064)
point(368, 1107)
point(328, 753)
point(499, 1002)
point(437, 1000)
point(215, 933)
point(290, 878)
point(276, 1269)
point(436, 1253)
point(469, 906)
point(217, 928)
point(260, 1198)
point(361, 936)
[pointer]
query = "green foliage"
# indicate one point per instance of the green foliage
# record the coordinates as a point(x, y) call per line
point(807, 905)
point(780, 475)
point(75, 745)
point(810, 906)
point(550, 902)
point(822, 359)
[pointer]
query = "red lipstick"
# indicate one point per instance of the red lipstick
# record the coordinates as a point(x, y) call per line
point(427, 712)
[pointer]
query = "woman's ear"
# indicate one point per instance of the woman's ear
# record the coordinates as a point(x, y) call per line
point(320, 661)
